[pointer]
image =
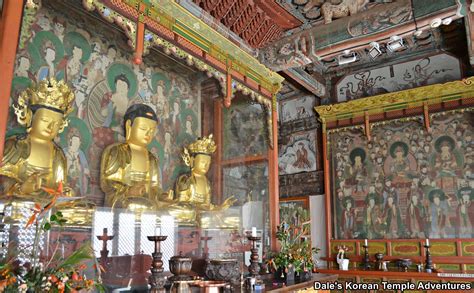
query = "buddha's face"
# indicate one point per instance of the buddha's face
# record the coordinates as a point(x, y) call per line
point(77, 53)
point(358, 160)
point(122, 87)
point(201, 164)
point(46, 124)
point(142, 131)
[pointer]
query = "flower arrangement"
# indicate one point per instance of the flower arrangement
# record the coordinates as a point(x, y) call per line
point(56, 274)
point(295, 249)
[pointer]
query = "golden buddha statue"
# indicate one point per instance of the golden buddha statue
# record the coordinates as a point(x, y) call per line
point(32, 161)
point(129, 173)
point(192, 190)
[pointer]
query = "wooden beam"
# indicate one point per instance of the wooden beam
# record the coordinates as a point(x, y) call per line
point(9, 37)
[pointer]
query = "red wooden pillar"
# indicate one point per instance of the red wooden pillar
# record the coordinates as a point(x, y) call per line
point(327, 191)
point(274, 195)
point(218, 132)
point(10, 24)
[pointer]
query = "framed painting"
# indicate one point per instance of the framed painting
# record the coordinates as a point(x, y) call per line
point(298, 154)
point(297, 108)
point(289, 207)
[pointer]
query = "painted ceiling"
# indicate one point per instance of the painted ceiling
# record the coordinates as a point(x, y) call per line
point(260, 22)
point(309, 12)
point(257, 22)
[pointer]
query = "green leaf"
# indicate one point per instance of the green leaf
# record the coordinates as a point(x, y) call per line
point(59, 214)
point(53, 218)
point(47, 226)
point(85, 252)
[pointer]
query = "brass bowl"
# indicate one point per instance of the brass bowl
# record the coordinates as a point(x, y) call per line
point(227, 270)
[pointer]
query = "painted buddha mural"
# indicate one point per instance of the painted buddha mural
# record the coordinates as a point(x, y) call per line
point(129, 173)
point(33, 160)
point(193, 192)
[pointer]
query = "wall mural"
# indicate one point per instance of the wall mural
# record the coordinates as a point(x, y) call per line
point(245, 132)
point(406, 182)
point(420, 72)
point(105, 83)
point(299, 154)
point(295, 109)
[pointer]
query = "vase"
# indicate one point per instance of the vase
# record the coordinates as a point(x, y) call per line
point(343, 264)
point(285, 275)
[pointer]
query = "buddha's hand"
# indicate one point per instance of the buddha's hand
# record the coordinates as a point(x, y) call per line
point(228, 202)
point(169, 196)
point(32, 184)
point(137, 190)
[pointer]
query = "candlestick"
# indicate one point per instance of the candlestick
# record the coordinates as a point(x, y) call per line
point(254, 231)
point(157, 279)
point(254, 268)
point(366, 260)
point(104, 252)
point(428, 261)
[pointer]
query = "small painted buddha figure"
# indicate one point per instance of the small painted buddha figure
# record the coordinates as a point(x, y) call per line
point(32, 161)
point(193, 188)
point(129, 172)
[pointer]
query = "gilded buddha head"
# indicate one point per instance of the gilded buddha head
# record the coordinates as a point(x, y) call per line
point(197, 155)
point(140, 124)
point(43, 109)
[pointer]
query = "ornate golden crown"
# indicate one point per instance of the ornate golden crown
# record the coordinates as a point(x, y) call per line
point(49, 93)
point(205, 145)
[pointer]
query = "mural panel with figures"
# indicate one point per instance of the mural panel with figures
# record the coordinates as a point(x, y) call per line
point(245, 132)
point(105, 83)
point(406, 182)
point(295, 109)
point(420, 72)
point(299, 154)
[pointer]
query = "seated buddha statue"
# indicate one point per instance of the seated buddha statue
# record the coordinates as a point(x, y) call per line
point(193, 190)
point(129, 172)
point(33, 161)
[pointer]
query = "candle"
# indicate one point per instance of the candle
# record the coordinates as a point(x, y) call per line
point(427, 242)
point(254, 231)
point(157, 231)
point(366, 242)
point(62, 250)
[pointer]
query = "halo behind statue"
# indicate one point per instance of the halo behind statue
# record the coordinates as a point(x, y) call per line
point(75, 39)
point(189, 114)
point(396, 145)
point(436, 193)
point(40, 39)
point(445, 139)
point(86, 137)
point(357, 152)
point(118, 69)
point(156, 77)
